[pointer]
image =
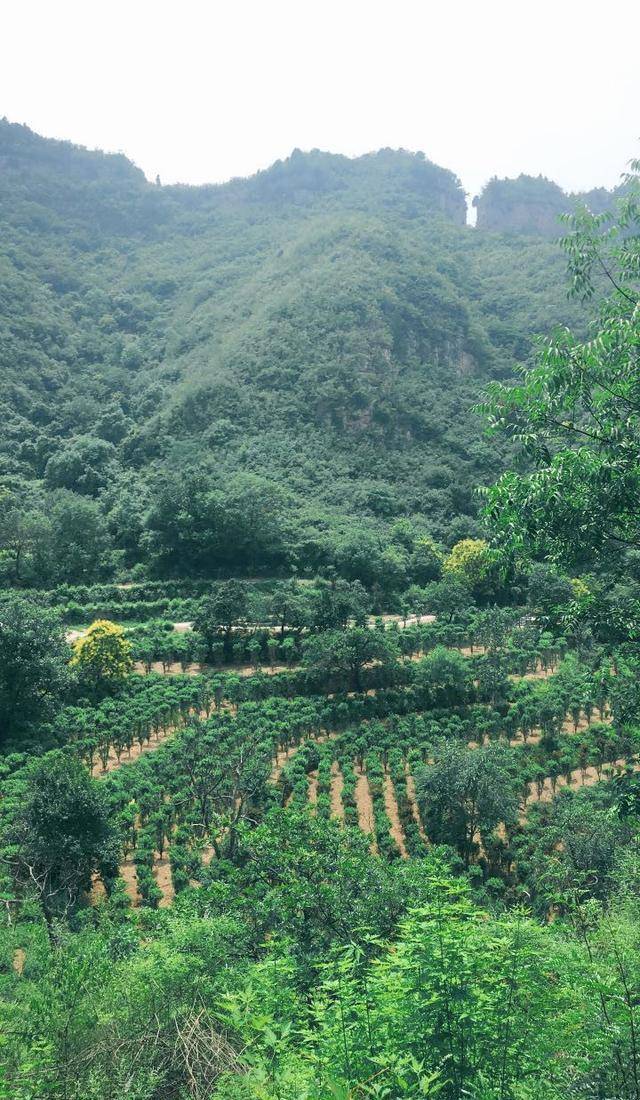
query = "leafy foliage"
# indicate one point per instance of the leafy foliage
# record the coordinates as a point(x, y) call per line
point(102, 655)
point(575, 414)
point(244, 379)
point(33, 666)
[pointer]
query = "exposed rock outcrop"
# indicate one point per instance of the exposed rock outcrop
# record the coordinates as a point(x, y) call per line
point(532, 205)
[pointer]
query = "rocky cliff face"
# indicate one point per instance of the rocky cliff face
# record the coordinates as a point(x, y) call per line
point(532, 205)
point(524, 205)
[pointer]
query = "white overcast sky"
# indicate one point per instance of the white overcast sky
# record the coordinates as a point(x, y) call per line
point(202, 91)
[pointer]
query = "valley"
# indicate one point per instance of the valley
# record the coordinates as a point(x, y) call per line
point(319, 627)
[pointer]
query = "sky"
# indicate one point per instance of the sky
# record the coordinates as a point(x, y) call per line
point(200, 92)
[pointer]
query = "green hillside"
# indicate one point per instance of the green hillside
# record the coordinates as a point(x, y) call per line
point(302, 348)
point(303, 794)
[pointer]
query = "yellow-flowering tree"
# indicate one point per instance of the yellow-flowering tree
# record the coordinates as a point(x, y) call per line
point(103, 655)
point(470, 561)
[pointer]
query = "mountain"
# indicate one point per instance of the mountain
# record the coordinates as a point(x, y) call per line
point(268, 373)
point(533, 205)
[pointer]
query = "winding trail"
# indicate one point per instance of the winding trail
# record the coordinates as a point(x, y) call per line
point(391, 806)
point(364, 803)
point(129, 876)
point(164, 881)
point(337, 784)
point(413, 803)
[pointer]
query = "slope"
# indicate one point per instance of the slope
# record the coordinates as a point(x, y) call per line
point(290, 356)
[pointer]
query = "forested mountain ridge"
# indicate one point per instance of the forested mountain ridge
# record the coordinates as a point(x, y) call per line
point(303, 347)
point(533, 205)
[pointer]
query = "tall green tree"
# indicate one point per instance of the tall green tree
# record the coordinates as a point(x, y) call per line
point(344, 653)
point(466, 792)
point(60, 834)
point(575, 415)
point(443, 678)
point(221, 613)
point(34, 673)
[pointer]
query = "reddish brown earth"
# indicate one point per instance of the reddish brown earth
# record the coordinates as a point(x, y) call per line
point(364, 804)
point(282, 756)
point(337, 783)
point(391, 806)
point(129, 756)
point(162, 869)
point(18, 961)
point(413, 802)
point(313, 788)
point(208, 852)
point(539, 674)
point(162, 874)
point(130, 878)
point(586, 777)
point(136, 751)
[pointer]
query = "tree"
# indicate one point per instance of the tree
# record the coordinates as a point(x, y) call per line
point(466, 791)
point(548, 591)
point(225, 771)
point(78, 542)
point(443, 677)
point(84, 465)
point(426, 561)
point(469, 562)
point(345, 653)
point(198, 524)
point(449, 598)
point(22, 535)
point(289, 606)
point(34, 673)
point(102, 656)
point(576, 414)
point(221, 613)
point(333, 603)
point(492, 672)
point(60, 834)
point(314, 883)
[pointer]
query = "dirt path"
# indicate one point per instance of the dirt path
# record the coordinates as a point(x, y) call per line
point(337, 783)
point(364, 803)
point(18, 961)
point(413, 802)
point(186, 626)
point(129, 876)
point(162, 874)
point(313, 789)
point(391, 806)
point(392, 617)
point(282, 756)
point(411, 620)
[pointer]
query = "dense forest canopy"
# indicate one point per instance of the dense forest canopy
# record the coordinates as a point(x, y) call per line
point(307, 343)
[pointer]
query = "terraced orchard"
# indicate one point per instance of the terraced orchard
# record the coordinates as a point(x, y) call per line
point(462, 746)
